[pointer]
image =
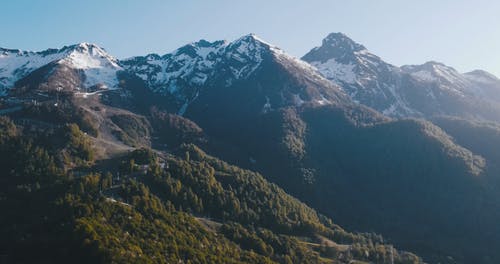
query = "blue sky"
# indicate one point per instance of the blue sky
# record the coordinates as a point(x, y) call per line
point(464, 34)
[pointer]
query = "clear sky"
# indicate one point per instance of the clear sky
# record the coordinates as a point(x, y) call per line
point(464, 34)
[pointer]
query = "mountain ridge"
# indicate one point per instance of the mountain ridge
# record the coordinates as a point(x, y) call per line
point(222, 64)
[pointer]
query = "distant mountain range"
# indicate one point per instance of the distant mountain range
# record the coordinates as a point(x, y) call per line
point(401, 151)
point(427, 90)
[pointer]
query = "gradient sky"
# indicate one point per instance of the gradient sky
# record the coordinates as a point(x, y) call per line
point(464, 34)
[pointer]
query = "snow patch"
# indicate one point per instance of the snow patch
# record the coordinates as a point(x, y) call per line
point(323, 101)
point(425, 76)
point(99, 68)
point(333, 70)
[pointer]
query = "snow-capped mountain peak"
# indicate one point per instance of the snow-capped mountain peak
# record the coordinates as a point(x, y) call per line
point(341, 41)
point(92, 50)
point(195, 63)
point(338, 47)
point(192, 64)
point(344, 61)
point(432, 71)
point(444, 77)
point(188, 71)
point(201, 48)
point(481, 76)
point(432, 88)
point(244, 55)
point(365, 77)
point(98, 67)
point(250, 42)
point(16, 64)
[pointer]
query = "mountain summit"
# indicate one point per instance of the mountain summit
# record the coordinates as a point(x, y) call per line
point(187, 72)
point(424, 90)
point(335, 46)
point(93, 64)
point(364, 76)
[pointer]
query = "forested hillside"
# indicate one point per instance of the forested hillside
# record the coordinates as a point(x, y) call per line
point(63, 206)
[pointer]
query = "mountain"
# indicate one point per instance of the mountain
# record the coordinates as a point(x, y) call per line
point(364, 76)
point(277, 119)
point(346, 160)
point(189, 71)
point(489, 83)
point(83, 171)
point(426, 90)
point(91, 67)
